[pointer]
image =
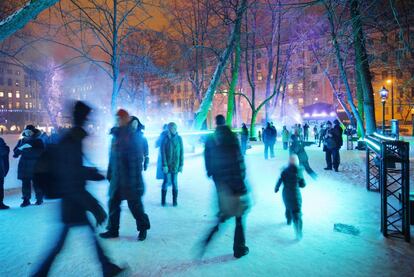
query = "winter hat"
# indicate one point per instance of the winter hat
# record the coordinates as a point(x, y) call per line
point(336, 122)
point(220, 120)
point(122, 113)
point(80, 113)
point(328, 122)
point(30, 127)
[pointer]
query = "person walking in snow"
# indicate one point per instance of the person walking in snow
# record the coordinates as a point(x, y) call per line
point(158, 143)
point(306, 132)
point(269, 140)
point(244, 138)
point(4, 169)
point(71, 175)
point(285, 138)
point(292, 180)
point(297, 147)
point(29, 149)
point(225, 164)
point(128, 157)
point(172, 153)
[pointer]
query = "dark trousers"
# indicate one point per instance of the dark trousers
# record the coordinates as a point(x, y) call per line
point(50, 257)
point(1, 190)
point(135, 206)
point(285, 145)
point(308, 169)
point(27, 190)
point(239, 243)
point(332, 158)
point(170, 178)
point(271, 147)
point(243, 146)
point(295, 216)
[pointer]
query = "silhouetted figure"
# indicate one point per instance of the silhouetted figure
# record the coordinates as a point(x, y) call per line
point(315, 133)
point(306, 132)
point(285, 138)
point(158, 143)
point(292, 179)
point(29, 149)
point(244, 138)
point(128, 157)
point(297, 148)
point(332, 143)
point(71, 177)
point(322, 133)
point(225, 164)
point(172, 153)
point(4, 169)
point(269, 140)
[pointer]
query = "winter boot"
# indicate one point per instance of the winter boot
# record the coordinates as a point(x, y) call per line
point(163, 195)
point(175, 194)
point(110, 270)
point(39, 202)
point(142, 235)
point(25, 203)
point(241, 252)
point(109, 234)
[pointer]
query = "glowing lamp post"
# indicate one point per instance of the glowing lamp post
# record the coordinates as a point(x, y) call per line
point(390, 82)
point(384, 94)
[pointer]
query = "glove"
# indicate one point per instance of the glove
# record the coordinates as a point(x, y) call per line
point(276, 190)
point(180, 169)
point(165, 169)
point(146, 162)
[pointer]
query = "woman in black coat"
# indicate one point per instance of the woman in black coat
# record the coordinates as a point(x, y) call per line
point(4, 169)
point(29, 149)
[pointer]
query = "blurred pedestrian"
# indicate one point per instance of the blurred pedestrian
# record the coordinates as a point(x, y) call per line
point(259, 134)
point(128, 157)
point(158, 143)
point(322, 133)
point(333, 142)
point(285, 138)
point(172, 152)
point(225, 164)
point(292, 180)
point(306, 132)
point(315, 133)
point(71, 176)
point(244, 138)
point(29, 148)
point(297, 147)
point(269, 140)
point(4, 169)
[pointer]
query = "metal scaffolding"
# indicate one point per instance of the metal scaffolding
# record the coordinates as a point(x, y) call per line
point(388, 160)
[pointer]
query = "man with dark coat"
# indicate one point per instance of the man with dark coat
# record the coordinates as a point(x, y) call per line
point(29, 149)
point(292, 179)
point(71, 175)
point(4, 169)
point(244, 138)
point(306, 132)
point(172, 154)
point(127, 160)
point(332, 143)
point(158, 143)
point(269, 140)
point(225, 164)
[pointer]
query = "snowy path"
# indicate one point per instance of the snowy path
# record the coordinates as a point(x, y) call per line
point(169, 249)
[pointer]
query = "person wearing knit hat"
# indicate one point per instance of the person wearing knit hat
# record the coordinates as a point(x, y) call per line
point(128, 157)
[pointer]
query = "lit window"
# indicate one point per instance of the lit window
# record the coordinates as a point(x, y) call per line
point(2, 106)
point(17, 83)
point(26, 96)
point(30, 105)
point(17, 94)
point(10, 95)
point(26, 105)
point(259, 77)
point(1, 94)
point(300, 86)
point(10, 106)
point(17, 105)
point(290, 86)
point(300, 101)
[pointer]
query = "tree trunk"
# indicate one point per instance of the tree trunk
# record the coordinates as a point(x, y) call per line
point(20, 18)
point(253, 125)
point(362, 66)
point(233, 84)
point(208, 97)
point(342, 70)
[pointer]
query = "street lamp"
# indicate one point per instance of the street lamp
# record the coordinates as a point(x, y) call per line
point(390, 82)
point(384, 94)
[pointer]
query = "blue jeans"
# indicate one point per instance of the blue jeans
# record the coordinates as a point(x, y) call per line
point(170, 178)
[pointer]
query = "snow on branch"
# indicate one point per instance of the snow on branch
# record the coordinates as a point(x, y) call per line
point(22, 16)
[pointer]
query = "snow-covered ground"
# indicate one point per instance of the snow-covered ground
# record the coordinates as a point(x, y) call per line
point(170, 247)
